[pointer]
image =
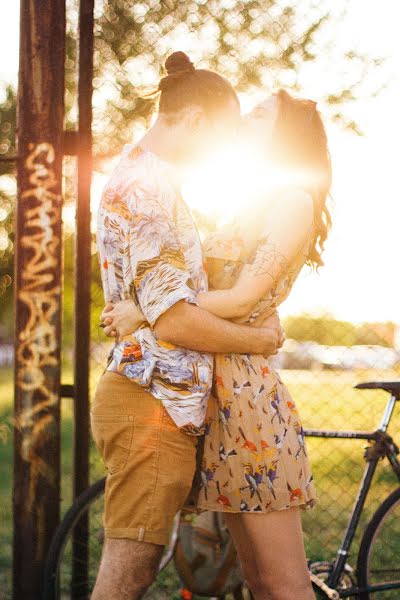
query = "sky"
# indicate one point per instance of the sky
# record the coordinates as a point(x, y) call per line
point(360, 280)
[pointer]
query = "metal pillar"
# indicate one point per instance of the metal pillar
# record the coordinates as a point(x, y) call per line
point(82, 294)
point(38, 285)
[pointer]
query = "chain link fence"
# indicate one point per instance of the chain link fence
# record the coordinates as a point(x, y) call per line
point(258, 45)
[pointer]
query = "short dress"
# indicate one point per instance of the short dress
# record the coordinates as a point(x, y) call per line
point(255, 456)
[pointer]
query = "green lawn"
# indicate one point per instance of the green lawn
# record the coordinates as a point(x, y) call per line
point(325, 399)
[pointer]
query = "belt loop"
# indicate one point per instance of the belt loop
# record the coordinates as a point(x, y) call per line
point(141, 534)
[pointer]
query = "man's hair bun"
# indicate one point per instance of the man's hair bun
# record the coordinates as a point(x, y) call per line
point(183, 85)
point(178, 62)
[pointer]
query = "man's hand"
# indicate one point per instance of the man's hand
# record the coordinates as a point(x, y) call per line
point(273, 324)
point(122, 318)
point(106, 323)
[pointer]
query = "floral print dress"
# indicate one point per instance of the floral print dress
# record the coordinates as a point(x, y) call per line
point(255, 457)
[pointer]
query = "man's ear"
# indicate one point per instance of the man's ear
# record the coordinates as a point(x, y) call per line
point(194, 117)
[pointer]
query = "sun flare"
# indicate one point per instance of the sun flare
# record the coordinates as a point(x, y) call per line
point(237, 178)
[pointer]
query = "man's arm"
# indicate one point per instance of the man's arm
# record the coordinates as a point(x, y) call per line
point(189, 326)
point(206, 332)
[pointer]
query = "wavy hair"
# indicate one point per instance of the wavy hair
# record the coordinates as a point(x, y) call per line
point(299, 142)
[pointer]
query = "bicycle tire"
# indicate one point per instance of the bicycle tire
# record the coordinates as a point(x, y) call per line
point(61, 535)
point(367, 543)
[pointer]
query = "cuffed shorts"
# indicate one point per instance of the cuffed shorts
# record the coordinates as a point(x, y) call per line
point(150, 462)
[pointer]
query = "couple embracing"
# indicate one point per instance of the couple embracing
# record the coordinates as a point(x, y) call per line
point(194, 328)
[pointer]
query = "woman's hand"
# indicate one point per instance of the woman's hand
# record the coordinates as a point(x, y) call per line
point(122, 318)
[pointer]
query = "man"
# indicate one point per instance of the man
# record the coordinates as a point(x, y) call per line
point(150, 403)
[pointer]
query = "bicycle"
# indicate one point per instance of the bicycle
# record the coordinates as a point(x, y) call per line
point(334, 579)
point(330, 580)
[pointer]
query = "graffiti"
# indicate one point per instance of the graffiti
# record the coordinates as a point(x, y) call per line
point(38, 297)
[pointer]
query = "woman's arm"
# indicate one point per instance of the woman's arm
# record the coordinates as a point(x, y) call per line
point(288, 226)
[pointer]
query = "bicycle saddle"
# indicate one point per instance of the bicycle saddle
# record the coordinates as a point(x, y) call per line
point(393, 387)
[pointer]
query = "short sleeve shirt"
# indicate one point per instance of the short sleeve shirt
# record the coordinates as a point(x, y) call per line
point(149, 250)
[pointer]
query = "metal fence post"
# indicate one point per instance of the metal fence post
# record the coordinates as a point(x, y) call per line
point(38, 284)
point(82, 294)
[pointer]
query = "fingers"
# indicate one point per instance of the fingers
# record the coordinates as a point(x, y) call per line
point(109, 306)
point(104, 316)
point(106, 309)
point(110, 331)
point(105, 321)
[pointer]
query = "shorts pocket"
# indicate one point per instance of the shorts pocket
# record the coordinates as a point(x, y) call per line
point(113, 435)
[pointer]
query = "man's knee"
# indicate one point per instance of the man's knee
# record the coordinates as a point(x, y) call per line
point(127, 566)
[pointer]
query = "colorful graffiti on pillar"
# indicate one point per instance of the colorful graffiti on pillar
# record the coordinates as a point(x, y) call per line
point(39, 292)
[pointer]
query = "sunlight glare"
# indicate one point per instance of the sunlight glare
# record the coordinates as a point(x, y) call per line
point(220, 186)
point(237, 179)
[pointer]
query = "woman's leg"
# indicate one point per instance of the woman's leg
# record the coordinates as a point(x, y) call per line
point(271, 552)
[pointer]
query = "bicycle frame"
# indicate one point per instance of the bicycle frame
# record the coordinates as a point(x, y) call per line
point(385, 447)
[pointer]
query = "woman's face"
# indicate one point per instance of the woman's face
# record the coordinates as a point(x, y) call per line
point(258, 125)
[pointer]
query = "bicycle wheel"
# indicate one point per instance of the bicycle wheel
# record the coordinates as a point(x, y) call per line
point(63, 582)
point(379, 556)
point(58, 573)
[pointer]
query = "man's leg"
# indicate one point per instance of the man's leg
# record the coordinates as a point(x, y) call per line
point(151, 464)
point(127, 569)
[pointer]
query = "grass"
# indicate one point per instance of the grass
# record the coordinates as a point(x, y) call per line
point(325, 399)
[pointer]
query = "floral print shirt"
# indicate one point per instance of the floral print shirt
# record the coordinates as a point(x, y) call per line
point(149, 250)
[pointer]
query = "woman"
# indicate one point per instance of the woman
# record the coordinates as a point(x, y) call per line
point(146, 421)
point(255, 466)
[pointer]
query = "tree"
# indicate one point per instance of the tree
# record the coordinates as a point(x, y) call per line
point(255, 43)
point(262, 43)
point(7, 204)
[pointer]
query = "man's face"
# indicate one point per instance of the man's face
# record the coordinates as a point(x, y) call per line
point(226, 124)
point(205, 135)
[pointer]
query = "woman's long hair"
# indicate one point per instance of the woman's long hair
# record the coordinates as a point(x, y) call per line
point(300, 143)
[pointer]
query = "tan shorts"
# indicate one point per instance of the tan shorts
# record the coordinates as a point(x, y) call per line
point(150, 462)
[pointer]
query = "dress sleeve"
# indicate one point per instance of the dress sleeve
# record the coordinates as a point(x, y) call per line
point(160, 275)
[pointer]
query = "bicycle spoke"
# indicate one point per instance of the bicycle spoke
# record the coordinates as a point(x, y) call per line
point(383, 564)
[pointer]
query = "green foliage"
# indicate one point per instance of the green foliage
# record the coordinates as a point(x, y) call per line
point(96, 293)
point(255, 44)
point(328, 331)
point(7, 199)
point(8, 110)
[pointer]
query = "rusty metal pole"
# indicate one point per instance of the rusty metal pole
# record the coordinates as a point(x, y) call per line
point(38, 285)
point(82, 295)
